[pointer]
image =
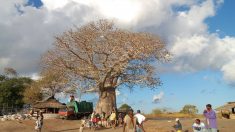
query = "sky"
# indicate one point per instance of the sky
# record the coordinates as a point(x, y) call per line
point(200, 34)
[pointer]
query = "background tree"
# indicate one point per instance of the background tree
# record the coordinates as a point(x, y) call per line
point(33, 93)
point(52, 83)
point(12, 89)
point(46, 86)
point(189, 109)
point(100, 57)
point(10, 72)
point(160, 110)
point(125, 107)
point(157, 111)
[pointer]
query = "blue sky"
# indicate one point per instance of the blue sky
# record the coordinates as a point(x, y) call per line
point(201, 35)
point(197, 88)
point(36, 3)
point(224, 19)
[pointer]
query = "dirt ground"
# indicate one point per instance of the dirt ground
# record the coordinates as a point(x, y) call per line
point(58, 125)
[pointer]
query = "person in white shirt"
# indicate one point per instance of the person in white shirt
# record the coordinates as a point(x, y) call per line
point(198, 126)
point(140, 120)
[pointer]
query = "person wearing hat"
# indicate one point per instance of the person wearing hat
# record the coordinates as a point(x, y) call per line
point(140, 120)
point(129, 122)
point(178, 125)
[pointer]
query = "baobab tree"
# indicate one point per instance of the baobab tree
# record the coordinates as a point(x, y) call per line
point(99, 57)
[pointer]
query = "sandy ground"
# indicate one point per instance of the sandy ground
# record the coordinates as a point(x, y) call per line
point(73, 126)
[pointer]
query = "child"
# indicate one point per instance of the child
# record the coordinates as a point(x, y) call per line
point(198, 126)
point(39, 122)
point(81, 128)
point(178, 126)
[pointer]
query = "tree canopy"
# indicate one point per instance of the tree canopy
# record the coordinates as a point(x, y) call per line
point(100, 57)
point(33, 93)
point(46, 86)
point(12, 89)
point(9, 71)
point(189, 109)
point(125, 107)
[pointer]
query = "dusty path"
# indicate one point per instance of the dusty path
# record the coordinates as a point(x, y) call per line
point(73, 126)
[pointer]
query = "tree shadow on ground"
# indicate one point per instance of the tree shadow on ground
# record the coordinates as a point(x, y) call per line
point(183, 131)
point(67, 130)
point(97, 129)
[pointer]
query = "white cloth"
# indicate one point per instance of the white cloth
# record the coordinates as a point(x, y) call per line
point(140, 118)
point(199, 127)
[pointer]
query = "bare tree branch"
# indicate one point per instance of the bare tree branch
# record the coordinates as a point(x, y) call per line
point(105, 56)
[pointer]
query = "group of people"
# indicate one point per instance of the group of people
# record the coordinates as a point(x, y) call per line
point(103, 119)
point(135, 122)
point(210, 124)
point(129, 121)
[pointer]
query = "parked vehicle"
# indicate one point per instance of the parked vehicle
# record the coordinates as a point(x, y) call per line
point(76, 110)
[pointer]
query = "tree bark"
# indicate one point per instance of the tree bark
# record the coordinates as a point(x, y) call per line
point(107, 101)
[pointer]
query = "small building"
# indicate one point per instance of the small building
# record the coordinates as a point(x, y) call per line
point(49, 106)
point(227, 110)
point(123, 110)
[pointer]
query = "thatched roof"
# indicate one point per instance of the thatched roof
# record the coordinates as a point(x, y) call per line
point(123, 110)
point(50, 102)
point(228, 106)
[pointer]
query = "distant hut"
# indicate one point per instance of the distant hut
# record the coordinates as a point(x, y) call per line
point(123, 110)
point(227, 110)
point(48, 106)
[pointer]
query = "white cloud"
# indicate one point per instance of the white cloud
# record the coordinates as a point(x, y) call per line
point(27, 34)
point(52, 5)
point(229, 72)
point(61, 96)
point(118, 92)
point(35, 76)
point(4, 62)
point(158, 97)
point(192, 46)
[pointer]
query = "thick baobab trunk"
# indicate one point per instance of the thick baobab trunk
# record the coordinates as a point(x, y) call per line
point(107, 101)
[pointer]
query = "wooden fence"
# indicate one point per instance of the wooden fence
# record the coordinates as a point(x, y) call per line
point(6, 109)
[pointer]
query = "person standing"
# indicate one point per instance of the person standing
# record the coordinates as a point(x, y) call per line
point(103, 120)
point(120, 119)
point(129, 122)
point(140, 120)
point(93, 119)
point(112, 119)
point(210, 115)
point(39, 122)
point(198, 126)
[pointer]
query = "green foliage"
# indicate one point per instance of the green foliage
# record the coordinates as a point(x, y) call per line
point(189, 109)
point(125, 106)
point(48, 85)
point(33, 93)
point(10, 72)
point(157, 111)
point(11, 90)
